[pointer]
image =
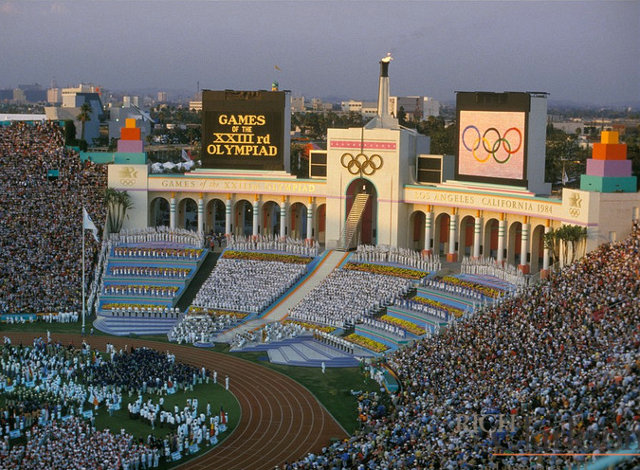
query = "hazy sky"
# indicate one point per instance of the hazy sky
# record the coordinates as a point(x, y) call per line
point(580, 51)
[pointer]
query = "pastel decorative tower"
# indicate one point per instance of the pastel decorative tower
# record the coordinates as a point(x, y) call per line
point(130, 138)
point(609, 171)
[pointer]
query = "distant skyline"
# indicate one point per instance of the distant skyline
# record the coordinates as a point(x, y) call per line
point(585, 52)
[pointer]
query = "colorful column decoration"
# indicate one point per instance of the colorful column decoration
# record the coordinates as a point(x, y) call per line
point(172, 211)
point(227, 215)
point(477, 233)
point(545, 253)
point(130, 138)
point(609, 171)
point(310, 219)
point(452, 256)
point(524, 247)
point(283, 217)
point(256, 216)
point(502, 235)
point(428, 228)
point(200, 214)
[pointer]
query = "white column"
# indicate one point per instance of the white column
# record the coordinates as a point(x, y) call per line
point(428, 228)
point(227, 214)
point(200, 215)
point(283, 219)
point(545, 253)
point(256, 213)
point(453, 230)
point(310, 221)
point(477, 236)
point(172, 212)
point(502, 232)
point(524, 244)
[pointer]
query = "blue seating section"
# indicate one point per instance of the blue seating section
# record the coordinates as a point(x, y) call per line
point(144, 324)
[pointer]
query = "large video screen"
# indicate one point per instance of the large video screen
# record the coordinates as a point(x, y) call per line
point(491, 144)
point(243, 130)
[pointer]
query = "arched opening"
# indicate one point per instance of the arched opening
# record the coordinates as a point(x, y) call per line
point(187, 214)
point(491, 239)
point(243, 218)
point(513, 243)
point(215, 218)
point(321, 222)
point(367, 232)
point(416, 239)
point(298, 221)
point(465, 236)
point(159, 212)
point(441, 234)
point(271, 218)
point(537, 248)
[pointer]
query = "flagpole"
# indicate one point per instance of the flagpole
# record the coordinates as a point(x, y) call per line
point(83, 293)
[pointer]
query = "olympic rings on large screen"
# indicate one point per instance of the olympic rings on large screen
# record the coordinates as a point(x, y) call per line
point(491, 142)
point(361, 163)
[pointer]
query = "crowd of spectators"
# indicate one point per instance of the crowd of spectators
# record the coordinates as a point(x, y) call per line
point(246, 285)
point(559, 363)
point(41, 213)
point(348, 296)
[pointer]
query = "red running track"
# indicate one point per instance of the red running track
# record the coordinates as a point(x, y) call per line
point(281, 420)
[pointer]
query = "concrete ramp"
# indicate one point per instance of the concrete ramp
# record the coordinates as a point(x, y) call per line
point(281, 309)
point(315, 278)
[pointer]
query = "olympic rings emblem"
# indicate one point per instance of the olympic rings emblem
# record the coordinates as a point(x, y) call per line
point(361, 163)
point(127, 182)
point(492, 142)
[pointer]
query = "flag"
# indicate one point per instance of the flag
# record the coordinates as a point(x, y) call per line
point(185, 156)
point(565, 178)
point(87, 224)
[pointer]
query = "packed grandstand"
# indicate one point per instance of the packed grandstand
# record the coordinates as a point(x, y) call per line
point(552, 370)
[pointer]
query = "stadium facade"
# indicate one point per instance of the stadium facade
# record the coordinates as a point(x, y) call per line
point(380, 185)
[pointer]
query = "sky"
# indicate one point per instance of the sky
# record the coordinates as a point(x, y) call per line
point(581, 51)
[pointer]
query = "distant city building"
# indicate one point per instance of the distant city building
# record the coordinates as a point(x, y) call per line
point(351, 106)
point(570, 127)
point(416, 108)
point(128, 101)
point(162, 97)
point(195, 105)
point(72, 101)
point(54, 95)
point(18, 96)
point(369, 109)
point(297, 104)
point(33, 93)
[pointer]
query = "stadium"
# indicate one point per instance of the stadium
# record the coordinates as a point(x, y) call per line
point(394, 309)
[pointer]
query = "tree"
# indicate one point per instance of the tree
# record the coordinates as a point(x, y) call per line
point(84, 116)
point(69, 132)
point(575, 235)
point(402, 116)
point(551, 243)
point(118, 202)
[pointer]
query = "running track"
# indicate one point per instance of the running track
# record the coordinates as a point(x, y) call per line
point(281, 420)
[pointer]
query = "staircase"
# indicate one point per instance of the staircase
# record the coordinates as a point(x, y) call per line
point(353, 220)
